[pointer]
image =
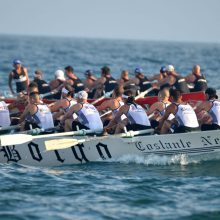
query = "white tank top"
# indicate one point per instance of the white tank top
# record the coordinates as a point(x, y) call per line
point(171, 116)
point(137, 115)
point(4, 115)
point(186, 116)
point(115, 111)
point(89, 116)
point(215, 112)
point(43, 117)
point(71, 103)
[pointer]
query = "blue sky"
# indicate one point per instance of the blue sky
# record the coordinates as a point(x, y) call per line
point(168, 20)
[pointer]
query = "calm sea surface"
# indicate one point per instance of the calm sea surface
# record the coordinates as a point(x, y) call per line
point(129, 188)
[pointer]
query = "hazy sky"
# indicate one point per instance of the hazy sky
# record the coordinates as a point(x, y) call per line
point(180, 20)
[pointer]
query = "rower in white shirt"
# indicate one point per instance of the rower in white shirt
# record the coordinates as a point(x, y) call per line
point(185, 117)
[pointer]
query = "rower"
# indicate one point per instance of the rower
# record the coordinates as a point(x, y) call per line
point(157, 110)
point(127, 83)
point(137, 117)
point(162, 75)
point(20, 75)
point(43, 86)
point(57, 83)
point(174, 80)
point(106, 83)
point(143, 82)
point(73, 80)
point(36, 114)
point(89, 82)
point(197, 78)
point(114, 104)
point(212, 106)
point(4, 115)
point(65, 103)
point(185, 117)
point(88, 116)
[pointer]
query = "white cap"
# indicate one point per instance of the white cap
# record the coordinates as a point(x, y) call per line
point(59, 74)
point(169, 68)
point(82, 95)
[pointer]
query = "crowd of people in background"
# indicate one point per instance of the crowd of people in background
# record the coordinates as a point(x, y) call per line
point(71, 109)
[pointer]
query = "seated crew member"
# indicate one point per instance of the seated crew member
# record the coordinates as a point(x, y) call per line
point(36, 114)
point(57, 83)
point(127, 83)
point(162, 75)
point(212, 106)
point(43, 86)
point(198, 79)
point(73, 80)
point(65, 103)
point(174, 80)
point(106, 83)
point(136, 115)
point(185, 117)
point(20, 75)
point(4, 115)
point(142, 81)
point(89, 83)
point(114, 103)
point(158, 108)
point(88, 116)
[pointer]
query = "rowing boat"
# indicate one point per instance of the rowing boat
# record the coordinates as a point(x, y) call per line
point(94, 149)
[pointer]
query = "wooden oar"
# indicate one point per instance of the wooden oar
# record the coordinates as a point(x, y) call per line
point(15, 139)
point(107, 94)
point(66, 143)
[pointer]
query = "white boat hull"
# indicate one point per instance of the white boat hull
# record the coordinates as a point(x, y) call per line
point(101, 149)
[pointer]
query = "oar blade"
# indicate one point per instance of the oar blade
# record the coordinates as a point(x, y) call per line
point(14, 139)
point(59, 144)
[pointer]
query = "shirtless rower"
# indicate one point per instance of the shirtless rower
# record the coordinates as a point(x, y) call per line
point(114, 103)
point(212, 106)
point(185, 117)
point(174, 80)
point(158, 108)
point(88, 116)
point(20, 75)
point(89, 83)
point(197, 78)
point(136, 115)
point(127, 82)
point(65, 103)
point(162, 75)
point(36, 114)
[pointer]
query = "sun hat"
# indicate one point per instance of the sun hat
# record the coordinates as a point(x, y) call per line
point(82, 95)
point(59, 74)
point(16, 61)
point(169, 68)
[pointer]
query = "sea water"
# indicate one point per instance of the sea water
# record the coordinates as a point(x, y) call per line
point(177, 187)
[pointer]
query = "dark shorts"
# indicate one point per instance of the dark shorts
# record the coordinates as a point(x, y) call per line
point(154, 123)
point(183, 129)
point(209, 127)
point(76, 124)
point(29, 125)
point(136, 127)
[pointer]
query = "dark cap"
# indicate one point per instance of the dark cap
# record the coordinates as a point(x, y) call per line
point(88, 73)
point(211, 92)
point(105, 70)
point(138, 70)
point(16, 61)
point(163, 69)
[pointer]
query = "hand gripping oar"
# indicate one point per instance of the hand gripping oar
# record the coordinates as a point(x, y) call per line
point(58, 144)
point(15, 139)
